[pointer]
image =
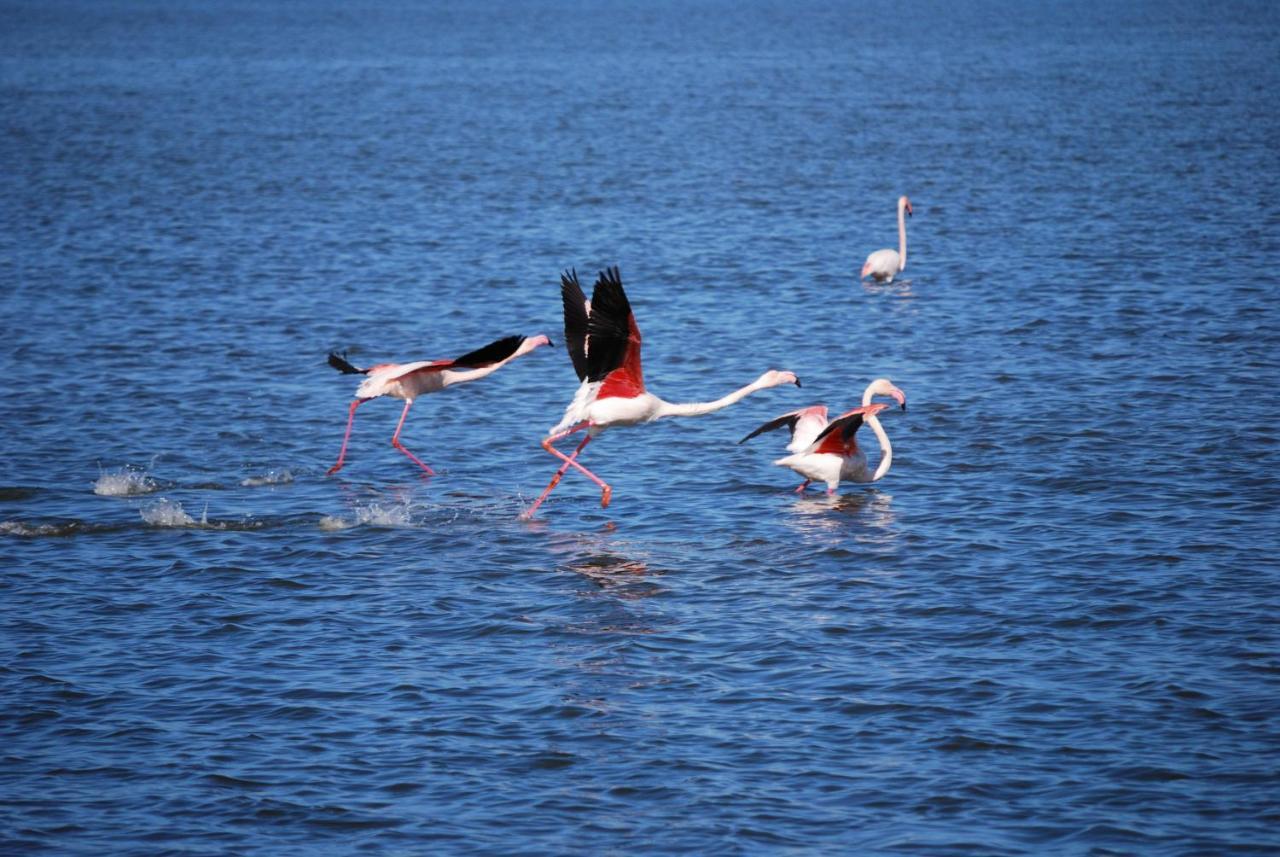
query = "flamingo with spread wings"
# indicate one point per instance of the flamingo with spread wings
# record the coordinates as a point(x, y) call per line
point(604, 345)
point(823, 451)
point(409, 380)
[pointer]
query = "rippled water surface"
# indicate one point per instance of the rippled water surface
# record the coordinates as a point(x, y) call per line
point(1050, 629)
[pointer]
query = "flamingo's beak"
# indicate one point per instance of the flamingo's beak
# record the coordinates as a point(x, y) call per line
point(798, 384)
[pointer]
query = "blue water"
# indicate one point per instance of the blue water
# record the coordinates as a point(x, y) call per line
point(1050, 629)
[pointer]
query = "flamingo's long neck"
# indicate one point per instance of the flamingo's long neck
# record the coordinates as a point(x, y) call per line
point(902, 237)
point(868, 393)
point(693, 409)
point(459, 376)
point(886, 448)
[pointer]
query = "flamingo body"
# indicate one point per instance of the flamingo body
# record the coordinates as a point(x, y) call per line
point(884, 265)
point(828, 452)
point(836, 457)
point(408, 381)
point(604, 346)
point(404, 380)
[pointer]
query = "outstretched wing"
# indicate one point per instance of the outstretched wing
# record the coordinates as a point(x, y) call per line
point(613, 339)
point(788, 420)
point(339, 362)
point(609, 326)
point(846, 425)
point(494, 352)
point(575, 321)
point(838, 436)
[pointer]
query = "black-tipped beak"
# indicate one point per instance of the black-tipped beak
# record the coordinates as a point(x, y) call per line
point(798, 384)
point(550, 343)
point(904, 406)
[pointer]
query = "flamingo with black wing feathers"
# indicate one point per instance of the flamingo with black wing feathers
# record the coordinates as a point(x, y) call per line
point(604, 346)
point(823, 451)
point(409, 380)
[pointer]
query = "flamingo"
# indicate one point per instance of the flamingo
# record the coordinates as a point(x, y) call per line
point(885, 264)
point(823, 451)
point(409, 380)
point(604, 345)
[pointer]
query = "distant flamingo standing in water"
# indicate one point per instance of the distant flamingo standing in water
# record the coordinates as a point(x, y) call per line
point(604, 345)
point(885, 264)
point(409, 380)
point(828, 451)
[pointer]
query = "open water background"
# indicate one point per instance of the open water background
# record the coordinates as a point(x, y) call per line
point(1051, 629)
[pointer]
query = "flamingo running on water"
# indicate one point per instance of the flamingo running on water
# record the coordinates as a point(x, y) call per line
point(884, 265)
point(604, 345)
point(409, 380)
point(828, 452)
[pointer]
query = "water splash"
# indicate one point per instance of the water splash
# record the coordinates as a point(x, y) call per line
point(379, 515)
point(274, 476)
point(373, 514)
point(168, 513)
point(126, 481)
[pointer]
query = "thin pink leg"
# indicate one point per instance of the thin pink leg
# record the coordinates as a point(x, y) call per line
point(555, 480)
point(569, 461)
point(395, 439)
point(800, 490)
point(342, 455)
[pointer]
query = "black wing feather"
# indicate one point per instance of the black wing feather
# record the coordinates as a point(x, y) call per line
point(788, 420)
point(609, 327)
point(494, 352)
point(338, 361)
point(575, 321)
point(848, 427)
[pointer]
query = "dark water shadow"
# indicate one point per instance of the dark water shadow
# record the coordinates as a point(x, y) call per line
point(615, 567)
point(899, 288)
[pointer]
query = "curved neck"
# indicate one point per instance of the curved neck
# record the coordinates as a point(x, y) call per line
point(693, 409)
point(902, 235)
point(886, 448)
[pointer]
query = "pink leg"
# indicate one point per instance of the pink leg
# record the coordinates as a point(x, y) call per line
point(395, 439)
point(342, 455)
point(800, 490)
point(569, 461)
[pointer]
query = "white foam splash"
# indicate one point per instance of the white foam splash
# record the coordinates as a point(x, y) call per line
point(384, 516)
point(168, 513)
point(275, 476)
point(124, 482)
point(373, 514)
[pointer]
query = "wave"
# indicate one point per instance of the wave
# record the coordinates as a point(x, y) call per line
point(274, 476)
point(18, 528)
